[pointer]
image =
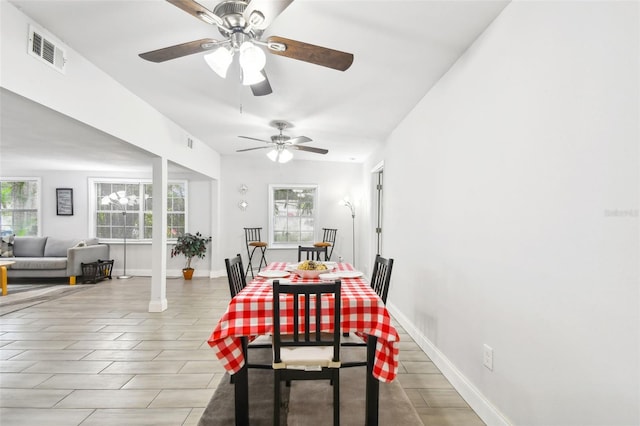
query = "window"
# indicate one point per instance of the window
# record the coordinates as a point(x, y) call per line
point(292, 215)
point(20, 207)
point(114, 220)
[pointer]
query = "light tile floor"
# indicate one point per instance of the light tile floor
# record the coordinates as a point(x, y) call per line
point(95, 356)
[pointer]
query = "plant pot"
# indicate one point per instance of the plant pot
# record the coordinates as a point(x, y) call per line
point(187, 273)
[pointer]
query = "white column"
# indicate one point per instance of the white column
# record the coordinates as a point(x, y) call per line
point(216, 265)
point(158, 302)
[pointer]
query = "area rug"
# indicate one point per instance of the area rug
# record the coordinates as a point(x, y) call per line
point(24, 295)
point(310, 402)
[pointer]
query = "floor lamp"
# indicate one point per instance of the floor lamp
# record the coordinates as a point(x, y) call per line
point(121, 200)
point(346, 202)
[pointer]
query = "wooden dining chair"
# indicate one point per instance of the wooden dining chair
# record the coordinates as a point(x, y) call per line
point(237, 282)
point(328, 241)
point(307, 353)
point(380, 280)
point(312, 253)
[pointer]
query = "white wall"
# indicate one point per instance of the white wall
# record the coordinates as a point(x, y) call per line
point(522, 165)
point(334, 180)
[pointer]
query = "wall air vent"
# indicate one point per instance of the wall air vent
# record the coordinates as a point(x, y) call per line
point(42, 47)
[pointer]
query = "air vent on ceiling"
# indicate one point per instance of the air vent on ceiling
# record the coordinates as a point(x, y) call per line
point(42, 47)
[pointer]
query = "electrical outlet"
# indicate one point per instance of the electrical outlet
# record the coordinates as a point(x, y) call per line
point(487, 358)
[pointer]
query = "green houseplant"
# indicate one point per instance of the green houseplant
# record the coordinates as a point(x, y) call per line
point(190, 245)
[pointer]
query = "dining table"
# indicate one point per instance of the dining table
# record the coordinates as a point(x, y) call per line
point(249, 314)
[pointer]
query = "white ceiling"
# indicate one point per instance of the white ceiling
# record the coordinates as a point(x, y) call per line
point(401, 49)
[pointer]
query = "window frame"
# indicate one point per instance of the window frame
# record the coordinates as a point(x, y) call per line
point(38, 202)
point(93, 210)
point(271, 227)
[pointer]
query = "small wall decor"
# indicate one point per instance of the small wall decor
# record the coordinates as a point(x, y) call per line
point(242, 205)
point(64, 201)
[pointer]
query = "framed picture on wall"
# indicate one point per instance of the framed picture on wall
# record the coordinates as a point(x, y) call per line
point(64, 201)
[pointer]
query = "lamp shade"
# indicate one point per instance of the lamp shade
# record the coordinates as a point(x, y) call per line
point(250, 78)
point(280, 155)
point(219, 60)
point(273, 155)
point(285, 155)
point(252, 58)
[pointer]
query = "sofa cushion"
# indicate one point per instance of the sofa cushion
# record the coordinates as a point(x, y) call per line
point(29, 246)
point(91, 241)
point(39, 263)
point(6, 246)
point(58, 246)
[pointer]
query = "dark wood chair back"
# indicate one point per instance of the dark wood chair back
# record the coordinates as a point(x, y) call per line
point(235, 275)
point(381, 276)
point(307, 299)
point(304, 335)
point(311, 253)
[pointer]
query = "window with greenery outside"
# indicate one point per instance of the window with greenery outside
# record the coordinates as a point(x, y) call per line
point(110, 220)
point(293, 215)
point(20, 200)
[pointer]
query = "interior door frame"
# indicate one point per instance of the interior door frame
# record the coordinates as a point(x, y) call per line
point(377, 175)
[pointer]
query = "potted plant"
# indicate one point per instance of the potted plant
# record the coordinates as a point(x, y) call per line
point(190, 245)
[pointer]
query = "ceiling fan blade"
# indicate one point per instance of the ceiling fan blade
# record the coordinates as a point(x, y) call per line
point(263, 88)
point(255, 139)
point(299, 139)
point(197, 10)
point(310, 53)
point(310, 149)
point(269, 9)
point(180, 50)
point(251, 149)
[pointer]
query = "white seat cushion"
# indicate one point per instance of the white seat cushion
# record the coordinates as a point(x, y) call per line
point(262, 340)
point(352, 338)
point(306, 358)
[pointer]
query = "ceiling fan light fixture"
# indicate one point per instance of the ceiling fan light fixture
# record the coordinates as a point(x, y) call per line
point(273, 155)
point(285, 155)
point(280, 155)
point(219, 60)
point(252, 58)
point(249, 78)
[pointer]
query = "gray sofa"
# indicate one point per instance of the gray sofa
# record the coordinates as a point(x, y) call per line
point(53, 257)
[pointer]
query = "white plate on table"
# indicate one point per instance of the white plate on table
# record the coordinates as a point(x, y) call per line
point(273, 274)
point(328, 277)
point(349, 274)
point(282, 280)
point(291, 267)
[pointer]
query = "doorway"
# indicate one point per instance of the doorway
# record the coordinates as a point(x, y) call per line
point(377, 193)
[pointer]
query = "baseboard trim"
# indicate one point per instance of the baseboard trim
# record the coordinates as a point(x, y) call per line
point(476, 400)
point(172, 273)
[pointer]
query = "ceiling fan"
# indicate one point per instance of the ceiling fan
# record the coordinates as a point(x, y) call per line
point(280, 143)
point(242, 23)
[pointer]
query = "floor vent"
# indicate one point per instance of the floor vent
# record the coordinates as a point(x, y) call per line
point(46, 50)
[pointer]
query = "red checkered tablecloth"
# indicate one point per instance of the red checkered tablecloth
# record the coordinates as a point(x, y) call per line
point(250, 314)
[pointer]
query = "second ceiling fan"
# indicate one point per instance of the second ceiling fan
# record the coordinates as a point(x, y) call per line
point(242, 23)
point(280, 144)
